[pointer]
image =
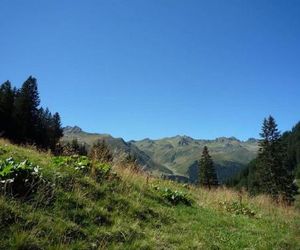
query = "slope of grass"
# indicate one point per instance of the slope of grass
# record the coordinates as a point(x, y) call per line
point(129, 210)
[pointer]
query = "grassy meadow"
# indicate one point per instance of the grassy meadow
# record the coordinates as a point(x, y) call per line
point(126, 209)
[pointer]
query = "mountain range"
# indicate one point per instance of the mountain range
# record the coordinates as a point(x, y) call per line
point(175, 157)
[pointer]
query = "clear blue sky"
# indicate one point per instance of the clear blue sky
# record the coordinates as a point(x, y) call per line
point(147, 68)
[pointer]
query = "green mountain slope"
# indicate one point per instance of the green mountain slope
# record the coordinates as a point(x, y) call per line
point(127, 210)
point(177, 155)
point(118, 146)
point(180, 153)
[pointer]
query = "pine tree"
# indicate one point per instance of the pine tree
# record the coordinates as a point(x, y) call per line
point(26, 111)
point(58, 131)
point(291, 140)
point(55, 131)
point(42, 133)
point(7, 96)
point(272, 171)
point(207, 172)
point(21, 119)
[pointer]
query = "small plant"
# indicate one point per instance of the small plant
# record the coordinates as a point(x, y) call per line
point(101, 170)
point(2, 151)
point(174, 197)
point(237, 208)
point(100, 152)
point(19, 178)
point(81, 163)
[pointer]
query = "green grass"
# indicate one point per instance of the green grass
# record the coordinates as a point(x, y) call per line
point(126, 211)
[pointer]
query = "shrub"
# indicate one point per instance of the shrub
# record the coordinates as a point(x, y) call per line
point(174, 197)
point(131, 162)
point(2, 151)
point(19, 179)
point(77, 162)
point(71, 148)
point(237, 208)
point(84, 165)
point(100, 152)
point(102, 170)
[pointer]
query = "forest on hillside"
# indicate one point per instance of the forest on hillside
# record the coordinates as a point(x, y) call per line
point(285, 152)
point(22, 118)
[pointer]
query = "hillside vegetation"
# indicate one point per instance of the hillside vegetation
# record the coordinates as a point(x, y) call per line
point(74, 207)
point(248, 178)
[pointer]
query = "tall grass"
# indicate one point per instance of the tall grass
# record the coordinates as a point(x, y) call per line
point(126, 211)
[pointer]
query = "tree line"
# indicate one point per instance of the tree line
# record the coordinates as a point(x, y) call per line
point(23, 121)
point(274, 170)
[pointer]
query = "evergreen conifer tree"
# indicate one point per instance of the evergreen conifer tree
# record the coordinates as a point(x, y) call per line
point(26, 111)
point(207, 172)
point(21, 119)
point(7, 96)
point(272, 171)
point(55, 131)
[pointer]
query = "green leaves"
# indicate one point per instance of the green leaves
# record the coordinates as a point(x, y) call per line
point(2, 151)
point(84, 165)
point(77, 162)
point(10, 169)
point(174, 197)
point(18, 178)
point(101, 171)
point(237, 208)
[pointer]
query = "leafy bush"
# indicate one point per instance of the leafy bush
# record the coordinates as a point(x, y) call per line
point(77, 162)
point(19, 178)
point(174, 197)
point(102, 170)
point(237, 208)
point(2, 151)
point(100, 152)
point(83, 164)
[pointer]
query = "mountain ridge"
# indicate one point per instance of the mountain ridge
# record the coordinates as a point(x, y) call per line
point(175, 155)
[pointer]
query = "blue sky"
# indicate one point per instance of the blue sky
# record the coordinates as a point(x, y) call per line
point(156, 68)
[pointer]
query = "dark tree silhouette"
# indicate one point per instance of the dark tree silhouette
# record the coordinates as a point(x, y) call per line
point(207, 172)
point(7, 97)
point(273, 175)
point(23, 121)
point(26, 111)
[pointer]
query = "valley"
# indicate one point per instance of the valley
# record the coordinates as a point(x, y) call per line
point(175, 157)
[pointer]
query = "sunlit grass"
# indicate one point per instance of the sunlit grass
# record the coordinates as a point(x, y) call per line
point(126, 212)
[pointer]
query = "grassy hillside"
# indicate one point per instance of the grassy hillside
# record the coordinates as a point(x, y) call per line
point(129, 210)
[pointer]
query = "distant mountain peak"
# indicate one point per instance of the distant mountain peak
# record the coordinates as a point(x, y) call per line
point(72, 130)
point(252, 140)
point(184, 140)
point(227, 139)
